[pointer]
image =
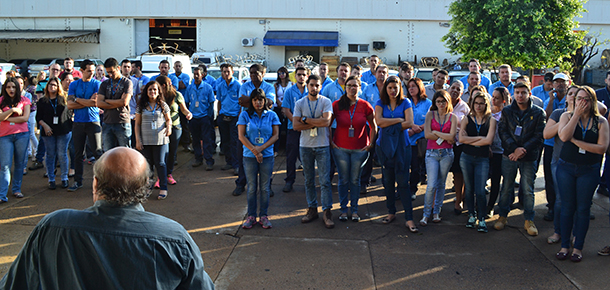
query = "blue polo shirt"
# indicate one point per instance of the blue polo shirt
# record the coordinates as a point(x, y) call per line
point(291, 96)
point(557, 104)
point(603, 95)
point(541, 93)
point(186, 79)
point(199, 98)
point(371, 94)
point(419, 118)
point(368, 77)
point(485, 81)
point(172, 77)
point(228, 96)
point(511, 87)
point(84, 90)
point(327, 82)
point(259, 127)
point(210, 80)
point(248, 87)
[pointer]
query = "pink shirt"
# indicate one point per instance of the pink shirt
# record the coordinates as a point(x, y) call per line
point(435, 126)
point(8, 128)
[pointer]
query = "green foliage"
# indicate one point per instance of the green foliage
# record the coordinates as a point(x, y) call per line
point(523, 33)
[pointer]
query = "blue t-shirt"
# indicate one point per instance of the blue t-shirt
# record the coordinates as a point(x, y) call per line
point(199, 98)
point(173, 78)
point(248, 87)
point(84, 90)
point(186, 80)
point(419, 117)
point(511, 87)
point(557, 104)
point(368, 77)
point(399, 112)
point(291, 96)
point(540, 93)
point(259, 127)
point(228, 96)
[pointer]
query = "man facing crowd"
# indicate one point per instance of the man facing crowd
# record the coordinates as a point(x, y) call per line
point(114, 244)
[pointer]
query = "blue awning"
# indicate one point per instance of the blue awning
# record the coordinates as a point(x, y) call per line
point(301, 38)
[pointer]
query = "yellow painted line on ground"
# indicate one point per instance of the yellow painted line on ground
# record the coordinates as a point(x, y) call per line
point(7, 245)
point(412, 276)
point(11, 220)
point(7, 259)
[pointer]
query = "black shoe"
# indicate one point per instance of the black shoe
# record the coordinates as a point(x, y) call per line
point(175, 162)
point(236, 171)
point(549, 216)
point(226, 167)
point(75, 186)
point(271, 193)
point(373, 179)
point(591, 216)
point(238, 190)
point(287, 187)
point(602, 190)
point(209, 167)
point(52, 185)
point(363, 190)
point(36, 165)
point(65, 184)
point(197, 163)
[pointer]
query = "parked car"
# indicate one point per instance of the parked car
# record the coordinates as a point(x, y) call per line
point(493, 75)
point(150, 63)
point(4, 68)
point(43, 64)
point(456, 75)
point(22, 64)
point(269, 77)
point(425, 74)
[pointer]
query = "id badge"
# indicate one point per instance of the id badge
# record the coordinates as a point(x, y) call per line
point(439, 141)
point(518, 130)
point(154, 125)
point(313, 132)
point(55, 120)
point(259, 140)
point(582, 151)
point(11, 123)
point(350, 132)
point(197, 104)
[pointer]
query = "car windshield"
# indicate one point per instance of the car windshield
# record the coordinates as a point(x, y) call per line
point(425, 76)
point(44, 61)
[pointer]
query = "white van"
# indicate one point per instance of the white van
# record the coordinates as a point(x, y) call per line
point(206, 58)
point(150, 63)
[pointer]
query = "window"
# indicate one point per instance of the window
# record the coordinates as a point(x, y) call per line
point(358, 47)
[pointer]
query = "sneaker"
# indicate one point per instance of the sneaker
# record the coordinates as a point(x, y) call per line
point(75, 186)
point(413, 196)
point(236, 171)
point(423, 222)
point(271, 193)
point(471, 222)
point(197, 163)
point(482, 227)
point(91, 161)
point(500, 223)
point(549, 216)
point(238, 190)
point(226, 167)
point(436, 218)
point(52, 185)
point(209, 167)
point(250, 221)
point(157, 183)
point(530, 227)
point(312, 214)
point(328, 219)
point(287, 187)
point(343, 217)
point(171, 180)
point(264, 221)
point(36, 165)
point(602, 190)
point(605, 251)
point(65, 184)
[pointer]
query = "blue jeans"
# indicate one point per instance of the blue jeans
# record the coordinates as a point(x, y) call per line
point(557, 206)
point(394, 174)
point(115, 135)
point(14, 147)
point(174, 142)
point(57, 147)
point(203, 130)
point(33, 140)
point(254, 171)
point(475, 170)
point(292, 153)
point(577, 184)
point(309, 157)
point(156, 155)
point(349, 165)
point(438, 163)
point(527, 169)
point(229, 139)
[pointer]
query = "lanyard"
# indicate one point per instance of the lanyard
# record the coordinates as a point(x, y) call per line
point(584, 129)
point(444, 120)
point(54, 105)
point(154, 111)
point(313, 113)
point(478, 126)
point(392, 111)
point(352, 113)
point(260, 123)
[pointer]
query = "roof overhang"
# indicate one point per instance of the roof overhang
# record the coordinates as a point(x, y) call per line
point(58, 36)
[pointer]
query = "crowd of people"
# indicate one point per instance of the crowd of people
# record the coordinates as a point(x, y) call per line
point(482, 132)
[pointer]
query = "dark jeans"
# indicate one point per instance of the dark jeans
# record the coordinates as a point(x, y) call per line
point(241, 177)
point(80, 133)
point(577, 185)
point(229, 139)
point(292, 153)
point(397, 175)
point(202, 130)
point(185, 139)
point(40, 151)
point(495, 164)
point(415, 170)
point(174, 140)
point(475, 170)
point(548, 177)
point(156, 155)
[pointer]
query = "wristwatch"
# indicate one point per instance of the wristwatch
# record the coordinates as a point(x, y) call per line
point(304, 120)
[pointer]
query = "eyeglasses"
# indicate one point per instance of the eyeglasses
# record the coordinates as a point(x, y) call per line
point(479, 104)
point(440, 101)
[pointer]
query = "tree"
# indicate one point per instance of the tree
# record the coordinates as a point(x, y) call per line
point(584, 54)
point(524, 33)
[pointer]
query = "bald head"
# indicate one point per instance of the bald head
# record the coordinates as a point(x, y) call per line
point(121, 176)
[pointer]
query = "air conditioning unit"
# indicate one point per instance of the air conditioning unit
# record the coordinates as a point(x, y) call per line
point(247, 42)
point(378, 45)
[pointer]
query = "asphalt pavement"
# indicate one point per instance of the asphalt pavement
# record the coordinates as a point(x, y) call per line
point(362, 255)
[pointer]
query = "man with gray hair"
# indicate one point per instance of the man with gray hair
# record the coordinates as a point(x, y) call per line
point(114, 244)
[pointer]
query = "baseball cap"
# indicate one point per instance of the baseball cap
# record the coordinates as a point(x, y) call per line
point(561, 76)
